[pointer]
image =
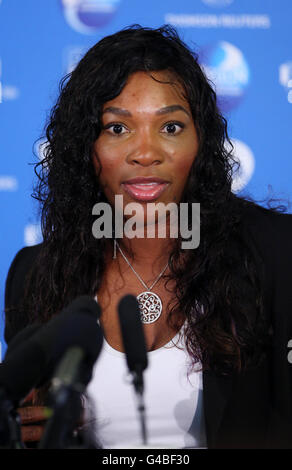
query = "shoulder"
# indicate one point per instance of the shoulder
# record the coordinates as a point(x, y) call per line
point(269, 234)
point(20, 267)
point(267, 226)
point(25, 257)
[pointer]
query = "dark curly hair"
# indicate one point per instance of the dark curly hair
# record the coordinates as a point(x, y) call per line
point(217, 287)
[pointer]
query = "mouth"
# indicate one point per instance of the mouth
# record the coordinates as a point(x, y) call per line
point(145, 189)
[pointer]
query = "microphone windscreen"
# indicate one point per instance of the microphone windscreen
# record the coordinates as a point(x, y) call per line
point(38, 349)
point(76, 326)
point(82, 331)
point(20, 371)
point(132, 333)
point(83, 305)
point(21, 337)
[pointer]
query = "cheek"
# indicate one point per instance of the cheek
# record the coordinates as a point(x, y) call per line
point(190, 153)
point(105, 162)
point(183, 165)
point(186, 151)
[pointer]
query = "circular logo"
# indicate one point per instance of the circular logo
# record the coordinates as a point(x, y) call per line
point(228, 70)
point(217, 3)
point(87, 16)
point(32, 234)
point(244, 156)
point(40, 147)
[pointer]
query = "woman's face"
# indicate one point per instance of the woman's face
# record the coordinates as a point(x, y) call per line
point(148, 141)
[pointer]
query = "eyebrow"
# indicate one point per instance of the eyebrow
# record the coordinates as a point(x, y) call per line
point(118, 111)
point(172, 109)
point(165, 110)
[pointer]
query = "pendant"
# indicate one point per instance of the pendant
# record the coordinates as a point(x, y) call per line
point(150, 307)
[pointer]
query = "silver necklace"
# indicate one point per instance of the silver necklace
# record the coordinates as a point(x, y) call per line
point(150, 304)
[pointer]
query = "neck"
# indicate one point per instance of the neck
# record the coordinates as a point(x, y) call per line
point(150, 250)
point(143, 248)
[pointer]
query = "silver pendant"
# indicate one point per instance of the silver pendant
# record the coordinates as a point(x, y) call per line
point(150, 307)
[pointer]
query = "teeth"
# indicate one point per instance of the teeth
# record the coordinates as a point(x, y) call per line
point(145, 184)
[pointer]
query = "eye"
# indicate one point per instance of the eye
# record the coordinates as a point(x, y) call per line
point(173, 128)
point(116, 128)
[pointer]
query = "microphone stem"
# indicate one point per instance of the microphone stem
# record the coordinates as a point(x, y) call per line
point(139, 388)
point(141, 409)
point(10, 433)
point(66, 409)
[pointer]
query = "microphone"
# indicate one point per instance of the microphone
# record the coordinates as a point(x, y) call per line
point(31, 358)
point(21, 337)
point(21, 370)
point(82, 342)
point(135, 349)
point(31, 363)
point(10, 430)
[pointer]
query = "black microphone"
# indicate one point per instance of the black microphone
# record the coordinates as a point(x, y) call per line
point(82, 343)
point(21, 337)
point(21, 370)
point(10, 425)
point(33, 354)
point(135, 349)
point(32, 362)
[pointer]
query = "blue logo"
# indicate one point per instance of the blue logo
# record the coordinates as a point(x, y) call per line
point(8, 183)
point(243, 155)
point(71, 56)
point(87, 16)
point(226, 67)
point(32, 234)
point(285, 77)
point(218, 3)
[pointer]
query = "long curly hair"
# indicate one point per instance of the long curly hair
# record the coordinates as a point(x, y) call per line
point(218, 288)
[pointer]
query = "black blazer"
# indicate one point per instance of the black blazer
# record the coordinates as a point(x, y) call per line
point(251, 410)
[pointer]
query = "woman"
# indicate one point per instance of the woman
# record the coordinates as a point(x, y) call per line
point(137, 118)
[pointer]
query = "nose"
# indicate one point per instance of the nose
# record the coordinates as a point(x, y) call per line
point(145, 151)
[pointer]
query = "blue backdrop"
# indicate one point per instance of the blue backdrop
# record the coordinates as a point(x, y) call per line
point(243, 45)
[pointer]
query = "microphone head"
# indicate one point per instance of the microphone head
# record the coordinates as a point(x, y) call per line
point(79, 330)
point(21, 337)
point(21, 369)
point(36, 350)
point(23, 363)
point(83, 304)
point(76, 326)
point(132, 333)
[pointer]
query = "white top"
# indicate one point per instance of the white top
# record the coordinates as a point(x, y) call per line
point(173, 400)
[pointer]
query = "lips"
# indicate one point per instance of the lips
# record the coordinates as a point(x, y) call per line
point(145, 188)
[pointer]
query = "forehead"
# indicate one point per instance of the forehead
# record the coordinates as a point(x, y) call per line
point(152, 89)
